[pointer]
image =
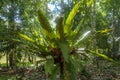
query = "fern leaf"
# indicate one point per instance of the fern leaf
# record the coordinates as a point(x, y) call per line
point(68, 23)
point(65, 50)
point(45, 24)
point(26, 37)
point(59, 28)
point(101, 55)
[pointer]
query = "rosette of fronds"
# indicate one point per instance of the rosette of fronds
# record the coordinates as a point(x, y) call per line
point(57, 46)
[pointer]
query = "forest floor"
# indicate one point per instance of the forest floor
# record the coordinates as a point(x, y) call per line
point(104, 70)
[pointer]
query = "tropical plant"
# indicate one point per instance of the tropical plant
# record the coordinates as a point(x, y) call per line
point(57, 46)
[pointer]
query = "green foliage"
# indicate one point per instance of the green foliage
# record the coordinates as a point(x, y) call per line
point(68, 23)
point(58, 45)
point(102, 38)
point(7, 77)
point(72, 66)
point(49, 66)
point(55, 72)
point(45, 24)
point(64, 46)
point(26, 37)
point(101, 55)
point(59, 29)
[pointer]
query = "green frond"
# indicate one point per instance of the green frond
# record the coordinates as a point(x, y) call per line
point(68, 23)
point(44, 21)
point(45, 24)
point(101, 55)
point(78, 29)
point(74, 35)
point(55, 71)
point(59, 28)
point(49, 66)
point(26, 37)
point(72, 68)
point(104, 31)
point(64, 46)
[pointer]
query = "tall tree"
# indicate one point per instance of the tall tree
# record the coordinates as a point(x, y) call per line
point(116, 26)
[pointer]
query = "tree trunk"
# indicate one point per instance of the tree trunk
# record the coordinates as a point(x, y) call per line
point(11, 26)
point(116, 35)
point(11, 62)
